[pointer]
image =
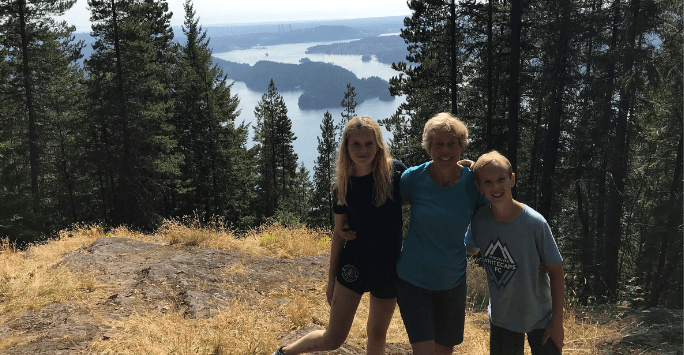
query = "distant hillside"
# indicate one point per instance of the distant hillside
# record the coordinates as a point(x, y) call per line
point(324, 84)
point(316, 34)
point(224, 39)
point(228, 38)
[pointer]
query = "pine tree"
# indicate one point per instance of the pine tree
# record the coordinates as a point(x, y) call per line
point(430, 77)
point(276, 159)
point(324, 174)
point(129, 78)
point(212, 183)
point(348, 107)
point(296, 209)
point(37, 71)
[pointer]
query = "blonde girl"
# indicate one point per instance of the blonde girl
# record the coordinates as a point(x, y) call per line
point(366, 241)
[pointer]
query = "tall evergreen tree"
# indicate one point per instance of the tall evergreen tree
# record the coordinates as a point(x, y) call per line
point(213, 149)
point(662, 145)
point(297, 207)
point(129, 78)
point(38, 68)
point(348, 107)
point(324, 174)
point(430, 77)
point(276, 159)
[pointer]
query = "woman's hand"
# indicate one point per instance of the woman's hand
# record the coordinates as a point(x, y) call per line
point(346, 233)
point(466, 162)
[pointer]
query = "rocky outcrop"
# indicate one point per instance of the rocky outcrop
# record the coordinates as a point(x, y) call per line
point(146, 277)
point(659, 330)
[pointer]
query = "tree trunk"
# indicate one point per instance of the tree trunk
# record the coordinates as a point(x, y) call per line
point(600, 285)
point(556, 113)
point(28, 89)
point(664, 270)
point(514, 85)
point(617, 167)
point(490, 62)
point(454, 57)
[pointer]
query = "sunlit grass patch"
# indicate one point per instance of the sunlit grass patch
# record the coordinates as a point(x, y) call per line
point(238, 328)
point(291, 242)
point(33, 278)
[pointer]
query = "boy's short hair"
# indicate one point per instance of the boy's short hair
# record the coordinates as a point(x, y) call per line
point(492, 157)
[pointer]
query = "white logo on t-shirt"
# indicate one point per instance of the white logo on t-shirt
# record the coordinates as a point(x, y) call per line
point(499, 264)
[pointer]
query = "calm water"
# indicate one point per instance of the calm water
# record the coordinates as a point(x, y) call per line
point(306, 123)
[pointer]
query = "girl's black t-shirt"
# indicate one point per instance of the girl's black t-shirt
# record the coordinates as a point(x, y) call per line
point(378, 228)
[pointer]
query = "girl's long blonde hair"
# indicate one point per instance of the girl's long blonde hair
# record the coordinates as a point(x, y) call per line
point(382, 163)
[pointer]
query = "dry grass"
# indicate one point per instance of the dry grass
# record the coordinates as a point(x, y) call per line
point(32, 278)
point(240, 328)
point(275, 240)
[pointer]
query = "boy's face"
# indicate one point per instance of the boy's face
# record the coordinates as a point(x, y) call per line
point(495, 183)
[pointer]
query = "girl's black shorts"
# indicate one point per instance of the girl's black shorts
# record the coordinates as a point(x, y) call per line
point(368, 275)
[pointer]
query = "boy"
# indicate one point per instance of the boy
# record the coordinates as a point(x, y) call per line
point(514, 240)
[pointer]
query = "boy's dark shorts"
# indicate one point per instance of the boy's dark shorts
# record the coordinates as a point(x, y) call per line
point(432, 315)
point(507, 342)
point(367, 276)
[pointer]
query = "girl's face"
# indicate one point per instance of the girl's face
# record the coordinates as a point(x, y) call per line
point(445, 149)
point(362, 148)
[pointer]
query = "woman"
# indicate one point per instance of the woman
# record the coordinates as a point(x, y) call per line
point(363, 257)
point(432, 265)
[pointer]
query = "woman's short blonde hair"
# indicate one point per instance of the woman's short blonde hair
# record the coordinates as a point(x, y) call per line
point(444, 122)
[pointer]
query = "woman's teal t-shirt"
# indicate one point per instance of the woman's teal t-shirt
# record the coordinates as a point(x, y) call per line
point(433, 255)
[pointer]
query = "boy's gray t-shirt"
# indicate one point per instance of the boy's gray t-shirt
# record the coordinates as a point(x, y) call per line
point(520, 295)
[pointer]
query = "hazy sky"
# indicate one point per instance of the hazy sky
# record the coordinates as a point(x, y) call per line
point(227, 12)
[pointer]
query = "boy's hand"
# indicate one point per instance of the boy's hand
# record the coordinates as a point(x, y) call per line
point(555, 332)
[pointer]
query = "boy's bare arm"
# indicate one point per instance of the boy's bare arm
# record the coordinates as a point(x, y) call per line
point(555, 329)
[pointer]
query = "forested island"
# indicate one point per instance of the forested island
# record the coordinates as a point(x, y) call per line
point(387, 49)
point(323, 84)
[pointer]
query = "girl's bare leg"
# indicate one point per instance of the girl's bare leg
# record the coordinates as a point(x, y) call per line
point(342, 311)
point(379, 318)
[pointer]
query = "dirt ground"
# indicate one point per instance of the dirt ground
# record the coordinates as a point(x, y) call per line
point(146, 277)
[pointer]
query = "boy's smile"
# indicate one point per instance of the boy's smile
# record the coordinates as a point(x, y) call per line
point(495, 182)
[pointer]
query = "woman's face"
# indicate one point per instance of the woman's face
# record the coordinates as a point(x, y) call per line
point(445, 149)
point(362, 148)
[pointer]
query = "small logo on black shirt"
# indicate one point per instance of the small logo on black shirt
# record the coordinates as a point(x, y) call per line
point(499, 263)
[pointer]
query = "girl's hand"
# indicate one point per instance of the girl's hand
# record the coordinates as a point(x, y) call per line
point(329, 291)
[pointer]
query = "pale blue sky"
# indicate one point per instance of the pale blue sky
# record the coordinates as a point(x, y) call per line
point(230, 12)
